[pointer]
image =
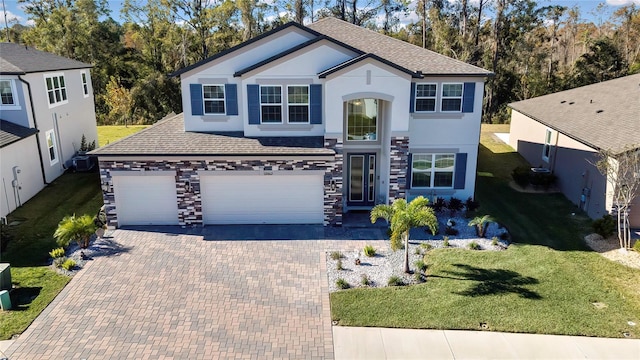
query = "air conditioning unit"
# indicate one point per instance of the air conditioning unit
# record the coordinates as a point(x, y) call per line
point(83, 163)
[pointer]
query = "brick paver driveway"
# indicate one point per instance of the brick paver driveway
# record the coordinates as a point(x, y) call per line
point(182, 297)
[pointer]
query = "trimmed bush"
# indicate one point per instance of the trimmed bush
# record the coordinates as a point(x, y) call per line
point(439, 204)
point(521, 175)
point(57, 262)
point(426, 246)
point(446, 241)
point(419, 277)
point(605, 226)
point(69, 264)
point(369, 251)
point(420, 265)
point(336, 255)
point(474, 245)
point(395, 281)
point(454, 205)
point(365, 280)
point(339, 265)
point(471, 205)
point(494, 241)
point(342, 284)
point(57, 253)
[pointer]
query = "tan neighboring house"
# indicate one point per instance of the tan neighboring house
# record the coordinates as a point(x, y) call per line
point(564, 131)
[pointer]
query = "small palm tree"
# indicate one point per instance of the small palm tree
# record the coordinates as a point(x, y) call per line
point(403, 216)
point(481, 222)
point(78, 228)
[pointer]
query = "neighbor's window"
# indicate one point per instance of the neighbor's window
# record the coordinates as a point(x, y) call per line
point(7, 92)
point(271, 104)
point(51, 145)
point(298, 103)
point(362, 120)
point(451, 97)
point(432, 170)
point(56, 89)
point(85, 83)
point(426, 97)
point(213, 97)
point(546, 148)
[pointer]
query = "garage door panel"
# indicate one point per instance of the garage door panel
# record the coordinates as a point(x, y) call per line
point(260, 199)
point(146, 200)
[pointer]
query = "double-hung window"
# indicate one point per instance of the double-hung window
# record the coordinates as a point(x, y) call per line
point(85, 83)
point(426, 97)
point(298, 103)
point(432, 170)
point(52, 147)
point(271, 104)
point(451, 97)
point(7, 93)
point(56, 89)
point(213, 98)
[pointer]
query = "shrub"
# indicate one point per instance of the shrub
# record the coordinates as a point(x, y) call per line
point(336, 255)
point(439, 204)
point(369, 251)
point(78, 228)
point(68, 264)
point(494, 241)
point(451, 231)
point(342, 284)
point(57, 253)
point(636, 246)
point(365, 280)
point(419, 277)
point(420, 265)
point(395, 281)
point(446, 241)
point(474, 245)
point(481, 223)
point(426, 246)
point(605, 226)
point(455, 205)
point(57, 262)
point(521, 175)
point(542, 179)
point(418, 251)
point(471, 205)
point(339, 265)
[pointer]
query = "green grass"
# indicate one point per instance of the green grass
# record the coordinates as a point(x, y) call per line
point(545, 283)
point(110, 133)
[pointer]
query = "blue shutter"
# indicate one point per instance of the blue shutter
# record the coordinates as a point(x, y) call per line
point(412, 105)
point(461, 171)
point(315, 103)
point(253, 102)
point(231, 98)
point(409, 165)
point(467, 97)
point(196, 99)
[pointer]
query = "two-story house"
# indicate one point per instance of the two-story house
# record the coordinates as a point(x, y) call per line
point(301, 125)
point(46, 106)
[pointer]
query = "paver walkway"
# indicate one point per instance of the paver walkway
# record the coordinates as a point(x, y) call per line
point(182, 297)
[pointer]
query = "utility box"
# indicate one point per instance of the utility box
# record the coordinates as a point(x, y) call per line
point(5, 300)
point(5, 276)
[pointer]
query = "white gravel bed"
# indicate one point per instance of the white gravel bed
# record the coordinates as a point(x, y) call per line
point(103, 246)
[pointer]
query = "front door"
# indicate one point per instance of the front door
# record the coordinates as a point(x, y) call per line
point(362, 179)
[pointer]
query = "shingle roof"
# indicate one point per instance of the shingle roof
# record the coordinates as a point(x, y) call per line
point(16, 59)
point(402, 53)
point(605, 116)
point(167, 137)
point(346, 64)
point(10, 133)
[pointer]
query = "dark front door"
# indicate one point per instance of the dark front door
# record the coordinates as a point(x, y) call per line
point(362, 179)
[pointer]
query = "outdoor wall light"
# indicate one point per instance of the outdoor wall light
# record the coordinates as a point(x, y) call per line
point(187, 186)
point(104, 186)
point(332, 185)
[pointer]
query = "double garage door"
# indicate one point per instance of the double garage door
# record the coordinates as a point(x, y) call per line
point(226, 199)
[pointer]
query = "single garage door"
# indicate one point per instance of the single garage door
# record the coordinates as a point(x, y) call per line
point(146, 200)
point(263, 199)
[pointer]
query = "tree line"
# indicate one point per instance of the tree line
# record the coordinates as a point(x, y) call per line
point(532, 50)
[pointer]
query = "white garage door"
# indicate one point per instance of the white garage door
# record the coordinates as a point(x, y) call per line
point(263, 199)
point(146, 200)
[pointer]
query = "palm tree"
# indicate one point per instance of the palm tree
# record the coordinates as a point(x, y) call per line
point(480, 222)
point(78, 228)
point(403, 217)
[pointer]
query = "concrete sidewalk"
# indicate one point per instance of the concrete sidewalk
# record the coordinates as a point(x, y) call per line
point(381, 343)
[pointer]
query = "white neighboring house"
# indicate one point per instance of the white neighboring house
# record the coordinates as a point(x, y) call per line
point(301, 125)
point(564, 131)
point(46, 106)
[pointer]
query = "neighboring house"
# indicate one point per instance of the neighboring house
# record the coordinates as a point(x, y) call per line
point(46, 105)
point(300, 125)
point(563, 132)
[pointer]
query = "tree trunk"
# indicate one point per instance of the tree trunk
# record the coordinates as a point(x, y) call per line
point(406, 252)
point(299, 8)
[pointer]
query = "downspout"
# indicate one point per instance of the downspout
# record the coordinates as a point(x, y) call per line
point(35, 124)
point(555, 153)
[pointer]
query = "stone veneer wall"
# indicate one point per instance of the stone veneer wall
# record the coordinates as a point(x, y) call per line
point(399, 163)
point(190, 202)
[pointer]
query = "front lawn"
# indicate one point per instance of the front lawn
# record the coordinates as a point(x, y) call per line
point(547, 282)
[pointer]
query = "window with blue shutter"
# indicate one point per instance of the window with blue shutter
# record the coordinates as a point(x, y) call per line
point(231, 98)
point(316, 103)
point(253, 104)
point(413, 98)
point(468, 97)
point(196, 99)
point(461, 171)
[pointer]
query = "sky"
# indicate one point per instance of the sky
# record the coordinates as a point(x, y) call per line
point(14, 12)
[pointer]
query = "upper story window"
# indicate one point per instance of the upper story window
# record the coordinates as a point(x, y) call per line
point(426, 97)
point(432, 170)
point(451, 97)
point(85, 83)
point(546, 148)
point(298, 103)
point(56, 89)
point(362, 120)
point(7, 93)
point(213, 97)
point(271, 104)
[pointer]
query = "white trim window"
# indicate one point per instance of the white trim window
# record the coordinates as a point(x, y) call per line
point(426, 97)
point(8, 95)
point(432, 170)
point(52, 147)
point(546, 148)
point(213, 97)
point(56, 89)
point(271, 104)
point(298, 104)
point(85, 83)
point(451, 97)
